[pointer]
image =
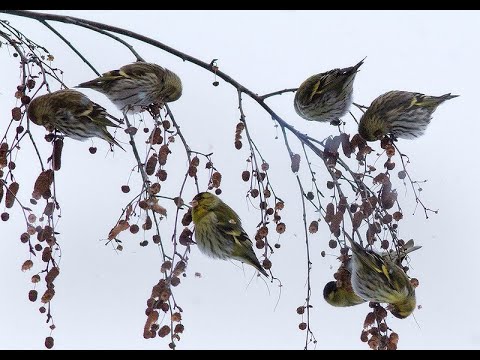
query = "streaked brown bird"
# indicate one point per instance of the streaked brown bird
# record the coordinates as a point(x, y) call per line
point(327, 96)
point(379, 279)
point(219, 232)
point(73, 114)
point(400, 114)
point(340, 293)
point(135, 86)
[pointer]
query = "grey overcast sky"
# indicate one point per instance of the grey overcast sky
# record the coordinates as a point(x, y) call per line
point(100, 295)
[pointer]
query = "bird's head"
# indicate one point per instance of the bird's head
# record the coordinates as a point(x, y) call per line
point(340, 297)
point(372, 128)
point(172, 87)
point(35, 112)
point(403, 309)
point(205, 200)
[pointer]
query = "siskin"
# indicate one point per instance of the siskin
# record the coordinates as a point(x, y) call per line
point(219, 233)
point(73, 114)
point(401, 114)
point(327, 96)
point(135, 86)
point(341, 294)
point(378, 278)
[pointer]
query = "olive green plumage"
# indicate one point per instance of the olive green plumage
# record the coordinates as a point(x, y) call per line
point(219, 233)
point(401, 114)
point(327, 96)
point(135, 86)
point(343, 295)
point(73, 114)
point(379, 279)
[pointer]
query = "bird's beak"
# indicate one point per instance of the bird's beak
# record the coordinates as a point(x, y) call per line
point(193, 203)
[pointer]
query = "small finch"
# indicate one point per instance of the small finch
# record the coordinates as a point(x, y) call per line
point(73, 114)
point(379, 279)
point(135, 86)
point(341, 294)
point(219, 233)
point(400, 114)
point(326, 97)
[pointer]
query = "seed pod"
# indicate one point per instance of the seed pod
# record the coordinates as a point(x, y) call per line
point(357, 220)
point(16, 114)
point(156, 136)
point(151, 164)
point(216, 179)
point(176, 317)
point(164, 331)
point(147, 225)
point(46, 254)
point(267, 264)
point(117, 229)
point(11, 194)
point(163, 154)
point(313, 228)
point(178, 329)
point(52, 274)
point(281, 228)
point(49, 342)
point(27, 265)
point(32, 295)
point(57, 154)
point(47, 295)
point(42, 184)
point(49, 208)
point(295, 163)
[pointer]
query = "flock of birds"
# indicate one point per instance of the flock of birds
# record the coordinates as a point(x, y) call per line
point(324, 97)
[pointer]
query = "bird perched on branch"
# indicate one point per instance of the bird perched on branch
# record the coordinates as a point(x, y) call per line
point(73, 114)
point(219, 233)
point(379, 279)
point(135, 86)
point(401, 114)
point(341, 294)
point(326, 97)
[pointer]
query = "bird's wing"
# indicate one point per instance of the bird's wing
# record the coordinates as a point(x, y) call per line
point(328, 81)
point(97, 114)
point(234, 232)
point(376, 263)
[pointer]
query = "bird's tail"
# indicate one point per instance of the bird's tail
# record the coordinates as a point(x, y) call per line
point(432, 101)
point(446, 97)
point(256, 264)
point(92, 84)
point(108, 137)
point(355, 68)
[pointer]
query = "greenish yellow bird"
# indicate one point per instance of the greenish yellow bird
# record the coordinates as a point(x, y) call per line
point(400, 114)
point(73, 114)
point(327, 96)
point(343, 295)
point(379, 279)
point(134, 87)
point(219, 233)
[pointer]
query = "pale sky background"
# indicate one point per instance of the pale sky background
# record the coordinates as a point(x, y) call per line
point(100, 295)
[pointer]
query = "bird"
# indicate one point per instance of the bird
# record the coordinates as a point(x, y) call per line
point(378, 278)
point(341, 294)
point(134, 87)
point(219, 233)
point(327, 96)
point(73, 114)
point(400, 114)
